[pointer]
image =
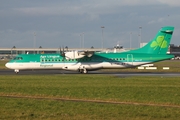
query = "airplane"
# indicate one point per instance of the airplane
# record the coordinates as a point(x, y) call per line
point(84, 61)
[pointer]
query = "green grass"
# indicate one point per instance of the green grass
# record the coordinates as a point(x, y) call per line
point(62, 110)
point(149, 90)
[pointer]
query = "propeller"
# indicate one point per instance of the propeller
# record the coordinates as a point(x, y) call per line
point(62, 53)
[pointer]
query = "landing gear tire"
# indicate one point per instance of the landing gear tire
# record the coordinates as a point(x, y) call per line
point(83, 71)
point(16, 71)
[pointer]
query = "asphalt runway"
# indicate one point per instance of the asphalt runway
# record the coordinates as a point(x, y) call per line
point(62, 72)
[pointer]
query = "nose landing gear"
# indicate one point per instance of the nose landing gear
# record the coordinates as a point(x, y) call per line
point(16, 71)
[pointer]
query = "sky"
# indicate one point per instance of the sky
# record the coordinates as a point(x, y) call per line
point(78, 23)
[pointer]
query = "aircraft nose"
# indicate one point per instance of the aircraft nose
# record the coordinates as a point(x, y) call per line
point(7, 65)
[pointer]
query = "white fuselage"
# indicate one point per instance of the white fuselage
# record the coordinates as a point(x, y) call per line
point(71, 66)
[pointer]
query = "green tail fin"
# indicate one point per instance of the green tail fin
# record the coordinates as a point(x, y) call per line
point(160, 44)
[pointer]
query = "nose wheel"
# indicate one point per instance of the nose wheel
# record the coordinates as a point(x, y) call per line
point(16, 71)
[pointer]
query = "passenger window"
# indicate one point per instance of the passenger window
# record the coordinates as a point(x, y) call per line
point(18, 58)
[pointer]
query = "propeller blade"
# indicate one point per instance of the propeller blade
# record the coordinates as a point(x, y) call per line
point(62, 53)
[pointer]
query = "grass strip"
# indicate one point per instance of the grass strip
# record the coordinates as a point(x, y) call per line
point(147, 97)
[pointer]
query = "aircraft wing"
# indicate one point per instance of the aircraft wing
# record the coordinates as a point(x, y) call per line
point(77, 54)
point(86, 53)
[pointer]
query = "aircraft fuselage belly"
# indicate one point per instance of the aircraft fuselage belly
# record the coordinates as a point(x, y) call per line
point(71, 66)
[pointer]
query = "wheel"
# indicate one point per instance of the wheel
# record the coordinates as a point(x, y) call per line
point(80, 70)
point(16, 71)
point(85, 71)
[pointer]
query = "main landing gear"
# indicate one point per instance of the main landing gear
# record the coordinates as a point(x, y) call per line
point(83, 71)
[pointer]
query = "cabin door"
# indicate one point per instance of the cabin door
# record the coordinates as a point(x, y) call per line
point(130, 59)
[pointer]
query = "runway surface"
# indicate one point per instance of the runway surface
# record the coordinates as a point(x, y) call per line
point(120, 74)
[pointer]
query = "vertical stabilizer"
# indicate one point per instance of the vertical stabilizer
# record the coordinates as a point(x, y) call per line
point(160, 44)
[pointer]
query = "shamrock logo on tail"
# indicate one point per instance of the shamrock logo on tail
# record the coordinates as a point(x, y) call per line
point(160, 42)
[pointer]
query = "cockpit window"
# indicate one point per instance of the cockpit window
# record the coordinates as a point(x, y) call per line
point(18, 58)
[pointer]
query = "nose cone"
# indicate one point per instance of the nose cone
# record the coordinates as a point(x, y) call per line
point(8, 65)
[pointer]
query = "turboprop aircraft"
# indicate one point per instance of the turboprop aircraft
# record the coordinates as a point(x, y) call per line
point(84, 61)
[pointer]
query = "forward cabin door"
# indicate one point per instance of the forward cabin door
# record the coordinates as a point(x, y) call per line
point(130, 59)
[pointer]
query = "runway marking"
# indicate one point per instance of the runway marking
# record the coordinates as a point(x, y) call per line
point(90, 101)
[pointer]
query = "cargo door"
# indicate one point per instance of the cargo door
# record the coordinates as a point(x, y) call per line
point(130, 59)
